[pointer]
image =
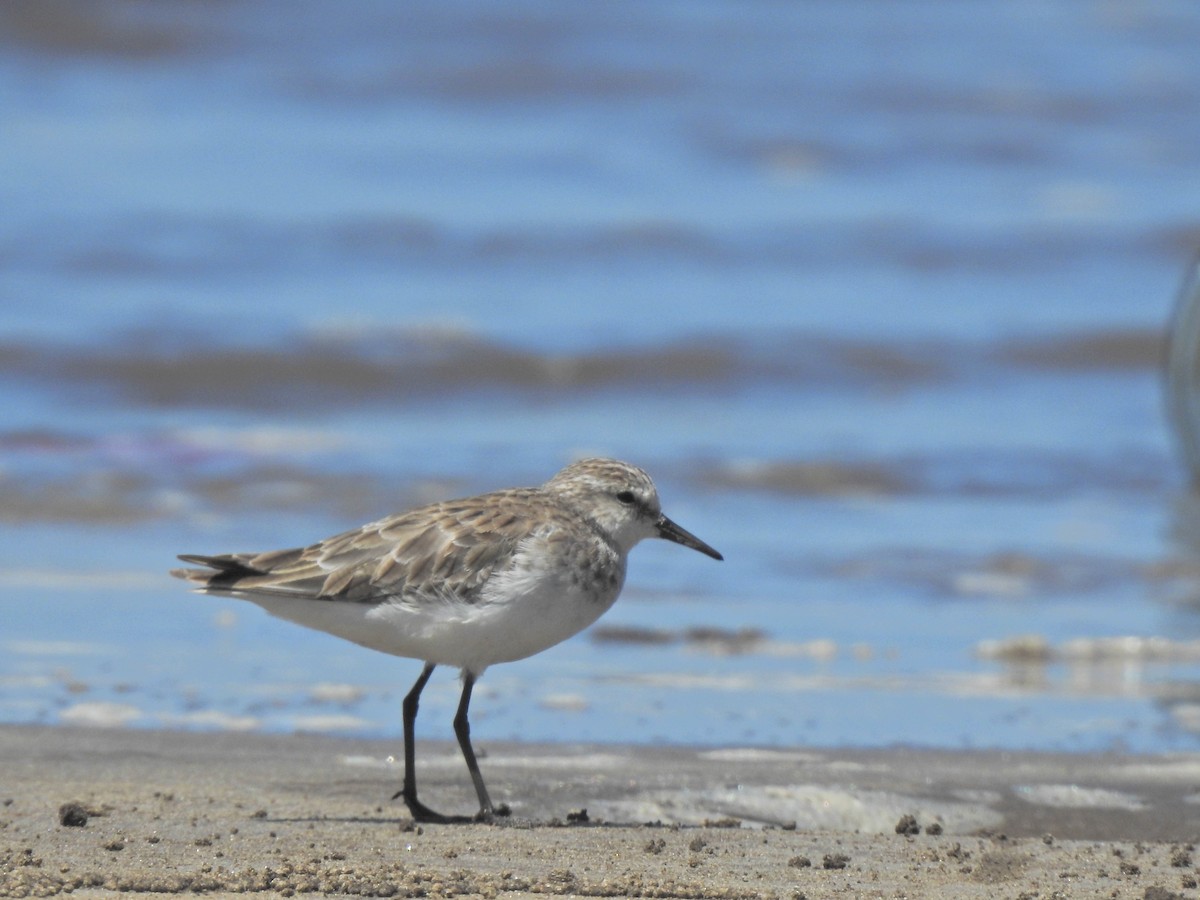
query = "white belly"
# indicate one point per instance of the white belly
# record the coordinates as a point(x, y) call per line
point(520, 612)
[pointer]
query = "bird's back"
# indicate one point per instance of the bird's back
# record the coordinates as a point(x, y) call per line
point(445, 549)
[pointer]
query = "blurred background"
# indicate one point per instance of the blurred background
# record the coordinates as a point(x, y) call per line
point(877, 290)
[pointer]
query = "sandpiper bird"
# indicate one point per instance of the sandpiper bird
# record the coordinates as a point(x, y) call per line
point(465, 583)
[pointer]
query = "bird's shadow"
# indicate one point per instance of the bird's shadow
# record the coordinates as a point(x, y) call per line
point(407, 823)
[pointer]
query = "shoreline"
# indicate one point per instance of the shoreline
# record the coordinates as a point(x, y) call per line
point(231, 813)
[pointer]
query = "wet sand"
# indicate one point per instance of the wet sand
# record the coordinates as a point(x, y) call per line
point(226, 813)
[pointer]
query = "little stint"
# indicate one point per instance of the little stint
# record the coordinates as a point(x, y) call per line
point(466, 583)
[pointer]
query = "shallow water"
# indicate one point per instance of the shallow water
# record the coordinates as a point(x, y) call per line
point(877, 292)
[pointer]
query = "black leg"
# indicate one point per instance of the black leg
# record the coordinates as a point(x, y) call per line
point(419, 810)
point(462, 729)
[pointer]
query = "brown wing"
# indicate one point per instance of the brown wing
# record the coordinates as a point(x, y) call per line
point(449, 548)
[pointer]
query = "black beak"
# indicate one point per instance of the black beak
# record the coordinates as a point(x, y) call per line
point(672, 532)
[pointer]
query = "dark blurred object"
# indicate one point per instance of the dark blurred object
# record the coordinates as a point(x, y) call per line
point(1183, 372)
point(73, 815)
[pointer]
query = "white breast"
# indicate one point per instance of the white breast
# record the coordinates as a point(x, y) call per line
point(536, 603)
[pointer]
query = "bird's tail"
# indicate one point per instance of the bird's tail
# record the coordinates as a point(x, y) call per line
point(239, 574)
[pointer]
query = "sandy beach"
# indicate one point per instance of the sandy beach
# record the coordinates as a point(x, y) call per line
point(99, 811)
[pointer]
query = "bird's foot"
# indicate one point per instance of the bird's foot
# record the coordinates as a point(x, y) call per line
point(490, 814)
point(422, 813)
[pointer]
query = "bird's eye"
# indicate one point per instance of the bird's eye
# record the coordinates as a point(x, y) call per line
point(626, 497)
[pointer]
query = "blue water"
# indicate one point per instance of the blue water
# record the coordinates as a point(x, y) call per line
point(876, 291)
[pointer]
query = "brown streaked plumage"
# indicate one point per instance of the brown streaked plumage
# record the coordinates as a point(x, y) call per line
point(469, 582)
